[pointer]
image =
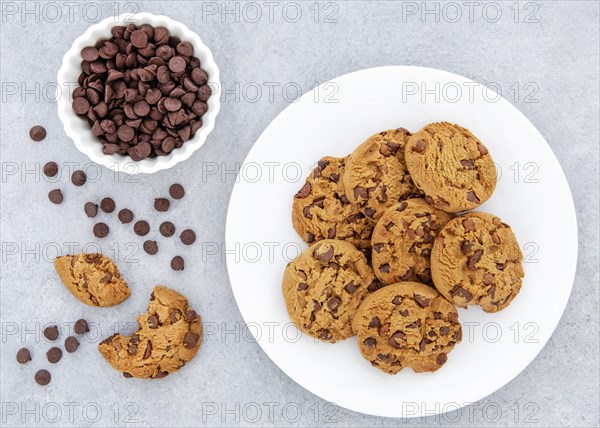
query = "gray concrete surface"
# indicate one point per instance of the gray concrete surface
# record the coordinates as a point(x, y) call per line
point(542, 55)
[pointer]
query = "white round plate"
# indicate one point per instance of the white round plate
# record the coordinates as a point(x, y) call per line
point(532, 195)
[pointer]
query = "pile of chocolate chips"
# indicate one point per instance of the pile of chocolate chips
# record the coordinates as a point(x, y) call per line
point(142, 91)
point(54, 354)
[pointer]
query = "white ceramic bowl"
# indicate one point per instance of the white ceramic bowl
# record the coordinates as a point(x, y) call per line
point(80, 131)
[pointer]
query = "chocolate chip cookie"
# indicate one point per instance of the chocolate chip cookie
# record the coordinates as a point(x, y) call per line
point(376, 175)
point(407, 324)
point(323, 286)
point(169, 336)
point(476, 260)
point(402, 241)
point(451, 166)
point(92, 278)
point(321, 209)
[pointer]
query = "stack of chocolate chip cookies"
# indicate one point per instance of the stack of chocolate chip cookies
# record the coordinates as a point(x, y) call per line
point(393, 250)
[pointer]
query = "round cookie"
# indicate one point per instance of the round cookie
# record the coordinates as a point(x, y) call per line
point(402, 241)
point(407, 324)
point(476, 260)
point(376, 175)
point(168, 337)
point(324, 285)
point(321, 209)
point(451, 166)
point(92, 278)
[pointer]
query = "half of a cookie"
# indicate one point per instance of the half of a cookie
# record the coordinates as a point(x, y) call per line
point(168, 337)
point(476, 260)
point(92, 278)
point(324, 285)
point(376, 175)
point(321, 209)
point(402, 241)
point(451, 166)
point(407, 324)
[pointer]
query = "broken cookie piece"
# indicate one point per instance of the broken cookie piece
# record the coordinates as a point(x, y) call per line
point(92, 278)
point(168, 337)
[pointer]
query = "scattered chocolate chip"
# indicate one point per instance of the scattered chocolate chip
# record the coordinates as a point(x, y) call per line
point(188, 237)
point(141, 228)
point(100, 230)
point(125, 216)
point(54, 355)
point(167, 229)
point(50, 169)
point(107, 205)
point(42, 377)
point(51, 332)
point(91, 209)
point(150, 247)
point(161, 204)
point(177, 263)
point(55, 196)
point(23, 356)
point(81, 326)
point(71, 344)
point(176, 191)
point(37, 133)
point(78, 178)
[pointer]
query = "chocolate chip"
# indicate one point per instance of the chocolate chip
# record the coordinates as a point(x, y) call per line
point(467, 163)
point(50, 169)
point(90, 209)
point(100, 230)
point(350, 287)
point(325, 334)
point(326, 256)
point(469, 224)
point(42, 377)
point(177, 263)
point(466, 246)
point(190, 315)
point(153, 321)
point(419, 146)
point(422, 301)
point(334, 303)
point(482, 149)
point(148, 351)
point(176, 191)
point(177, 64)
point(397, 300)
point(188, 237)
point(444, 331)
point(51, 332)
point(190, 339)
point(127, 375)
point(396, 338)
point(55, 196)
point(385, 268)
point(472, 197)
point(441, 359)
point(107, 205)
point(37, 133)
point(369, 342)
point(161, 204)
point(125, 216)
point(370, 212)
point(139, 39)
point(81, 105)
point(167, 229)
point(78, 178)
point(471, 263)
point(23, 356)
point(81, 326)
point(71, 344)
point(150, 247)
point(375, 323)
point(304, 191)
point(360, 192)
point(54, 355)
point(141, 228)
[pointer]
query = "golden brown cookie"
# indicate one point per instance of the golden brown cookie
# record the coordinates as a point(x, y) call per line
point(321, 209)
point(451, 166)
point(93, 278)
point(407, 324)
point(168, 337)
point(402, 241)
point(476, 260)
point(376, 175)
point(323, 286)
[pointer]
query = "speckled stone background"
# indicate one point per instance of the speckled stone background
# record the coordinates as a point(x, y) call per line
point(543, 56)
